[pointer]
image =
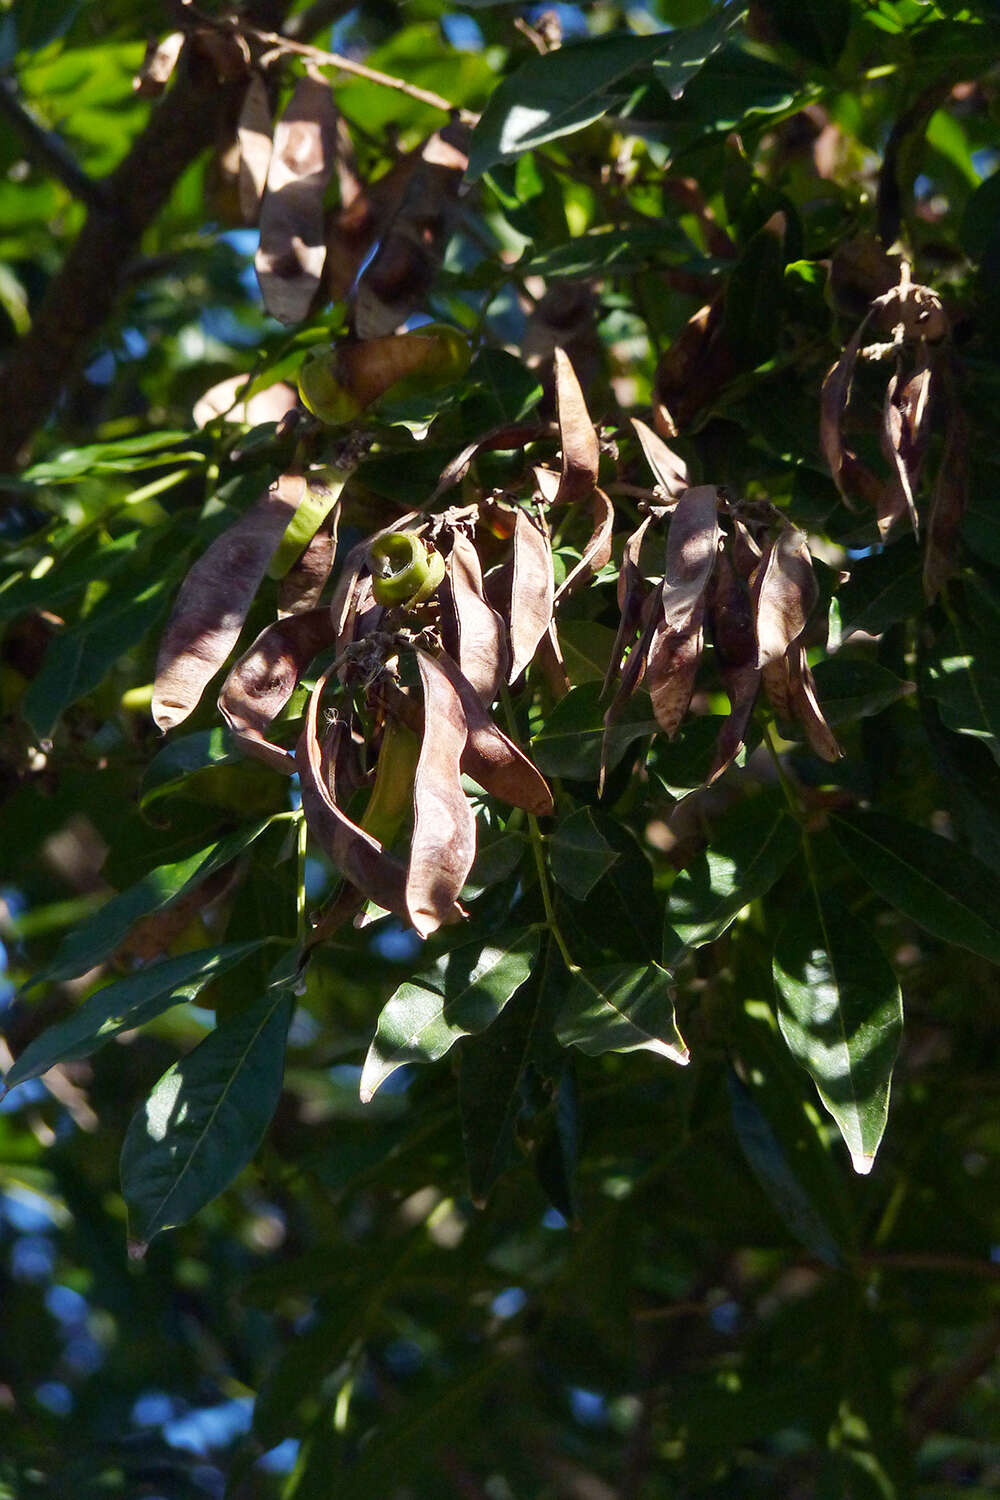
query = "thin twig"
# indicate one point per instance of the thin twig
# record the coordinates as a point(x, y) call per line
point(47, 150)
point(323, 59)
point(320, 14)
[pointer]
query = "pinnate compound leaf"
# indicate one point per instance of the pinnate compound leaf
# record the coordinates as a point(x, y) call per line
point(929, 879)
point(841, 1013)
point(579, 854)
point(207, 1115)
point(91, 944)
point(459, 995)
point(882, 589)
point(125, 1004)
point(750, 847)
point(621, 1008)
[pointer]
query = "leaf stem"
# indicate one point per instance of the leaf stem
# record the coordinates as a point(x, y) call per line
point(783, 778)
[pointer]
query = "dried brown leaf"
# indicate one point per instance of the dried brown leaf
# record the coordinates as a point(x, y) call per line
point(359, 857)
point(669, 471)
point(401, 272)
point(477, 637)
point(581, 453)
point(785, 593)
point(253, 132)
point(444, 827)
point(597, 553)
point(214, 599)
point(264, 678)
point(531, 592)
point(292, 238)
point(742, 685)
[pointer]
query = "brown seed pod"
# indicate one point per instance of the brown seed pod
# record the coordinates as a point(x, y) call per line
point(253, 133)
point(731, 622)
point(292, 239)
point(633, 590)
point(214, 599)
point(444, 828)
point(597, 552)
point(531, 591)
point(492, 759)
point(264, 678)
point(784, 595)
point(670, 471)
point(473, 630)
point(302, 585)
point(676, 645)
point(580, 451)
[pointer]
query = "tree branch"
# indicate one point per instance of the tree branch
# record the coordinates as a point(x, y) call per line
point(46, 149)
point(320, 14)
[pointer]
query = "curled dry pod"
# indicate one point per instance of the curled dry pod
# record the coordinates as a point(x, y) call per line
point(597, 552)
point(359, 857)
point(490, 757)
point(669, 471)
point(731, 621)
point(676, 646)
point(444, 828)
point(785, 593)
point(253, 132)
point(689, 376)
point(532, 590)
point(264, 678)
point(833, 402)
point(580, 450)
point(292, 238)
point(302, 585)
point(905, 426)
point(501, 437)
point(477, 638)
point(399, 275)
point(632, 592)
point(805, 705)
point(405, 570)
point(214, 599)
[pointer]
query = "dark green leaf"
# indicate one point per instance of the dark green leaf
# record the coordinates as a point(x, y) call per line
point(183, 757)
point(579, 854)
point(207, 1115)
point(459, 995)
point(96, 557)
point(964, 679)
point(928, 878)
point(817, 29)
point(569, 744)
point(882, 589)
point(979, 222)
point(126, 1004)
point(841, 1013)
point(750, 846)
point(620, 1008)
point(854, 688)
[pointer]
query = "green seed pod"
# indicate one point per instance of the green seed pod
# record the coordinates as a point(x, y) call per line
point(404, 570)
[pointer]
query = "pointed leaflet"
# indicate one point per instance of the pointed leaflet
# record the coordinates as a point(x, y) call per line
point(579, 854)
point(580, 451)
point(292, 239)
point(355, 853)
point(621, 1008)
point(459, 995)
point(841, 1013)
point(597, 553)
point(253, 132)
point(97, 939)
point(963, 676)
point(214, 599)
point(785, 593)
point(669, 471)
point(569, 742)
point(207, 1115)
point(264, 678)
point(750, 847)
point(931, 880)
point(531, 591)
point(491, 758)
point(123, 1005)
point(444, 827)
point(481, 635)
point(675, 648)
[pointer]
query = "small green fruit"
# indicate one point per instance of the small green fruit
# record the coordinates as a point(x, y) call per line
point(404, 570)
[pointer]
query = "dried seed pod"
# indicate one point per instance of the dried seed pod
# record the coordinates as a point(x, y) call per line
point(214, 599)
point(359, 857)
point(253, 132)
point(597, 552)
point(694, 369)
point(473, 630)
point(302, 585)
point(742, 684)
point(292, 239)
point(905, 427)
point(632, 593)
point(490, 757)
point(676, 645)
point(444, 828)
point(158, 65)
point(531, 591)
point(805, 705)
point(785, 593)
point(501, 437)
point(731, 622)
point(580, 451)
point(399, 275)
point(264, 678)
point(669, 471)
point(834, 399)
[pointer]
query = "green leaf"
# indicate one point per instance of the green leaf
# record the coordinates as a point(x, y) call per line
point(854, 688)
point(841, 1013)
point(569, 743)
point(586, 648)
point(207, 1115)
point(149, 450)
point(750, 846)
point(579, 854)
point(771, 1167)
point(459, 995)
point(620, 1008)
point(817, 29)
point(95, 557)
point(570, 87)
point(926, 877)
point(183, 757)
point(124, 1005)
point(882, 589)
point(89, 945)
point(979, 222)
point(754, 295)
point(79, 659)
point(964, 679)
